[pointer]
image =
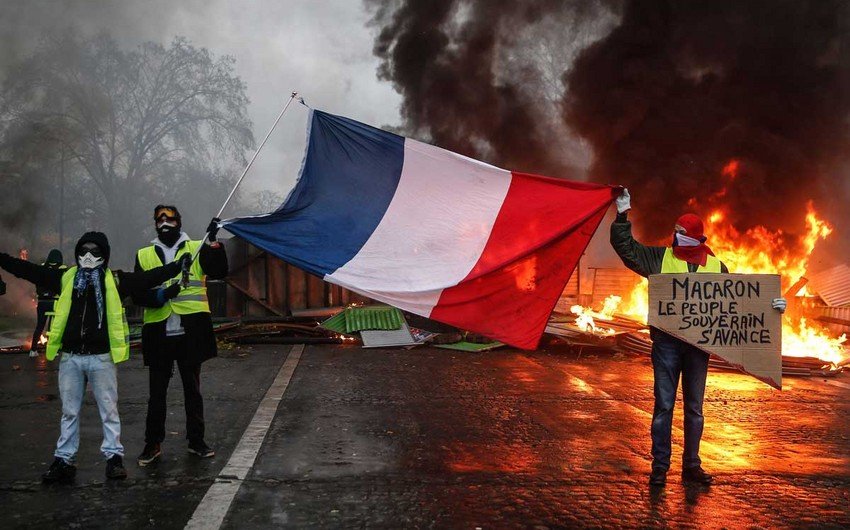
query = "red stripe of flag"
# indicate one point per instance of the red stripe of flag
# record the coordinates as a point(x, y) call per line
point(541, 231)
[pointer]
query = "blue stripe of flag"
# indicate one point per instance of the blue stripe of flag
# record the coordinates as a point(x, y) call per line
point(350, 174)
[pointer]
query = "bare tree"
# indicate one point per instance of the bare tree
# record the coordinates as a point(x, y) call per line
point(139, 125)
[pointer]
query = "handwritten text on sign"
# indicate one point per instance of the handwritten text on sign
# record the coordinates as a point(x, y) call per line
point(729, 315)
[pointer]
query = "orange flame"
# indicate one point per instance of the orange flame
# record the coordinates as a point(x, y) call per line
point(585, 320)
point(731, 169)
point(762, 251)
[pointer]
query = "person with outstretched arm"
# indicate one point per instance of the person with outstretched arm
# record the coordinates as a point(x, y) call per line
point(671, 357)
point(89, 330)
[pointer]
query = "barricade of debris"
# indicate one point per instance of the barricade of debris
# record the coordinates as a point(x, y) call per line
point(620, 333)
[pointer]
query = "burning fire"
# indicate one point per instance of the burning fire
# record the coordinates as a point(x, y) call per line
point(585, 316)
point(761, 251)
point(758, 251)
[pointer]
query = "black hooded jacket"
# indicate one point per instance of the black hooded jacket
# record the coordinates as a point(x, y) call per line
point(83, 332)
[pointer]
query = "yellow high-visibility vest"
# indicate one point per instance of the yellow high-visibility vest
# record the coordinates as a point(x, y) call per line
point(116, 320)
point(192, 299)
point(673, 265)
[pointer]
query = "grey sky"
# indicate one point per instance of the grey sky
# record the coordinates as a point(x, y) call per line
point(323, 49)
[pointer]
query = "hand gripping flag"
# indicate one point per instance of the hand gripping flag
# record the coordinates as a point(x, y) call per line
point(430, 231)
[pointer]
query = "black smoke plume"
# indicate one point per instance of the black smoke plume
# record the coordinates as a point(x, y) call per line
point(451, 60)
point(679, 89)
point(665, 98)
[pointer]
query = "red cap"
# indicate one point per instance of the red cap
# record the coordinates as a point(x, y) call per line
point(692, 225)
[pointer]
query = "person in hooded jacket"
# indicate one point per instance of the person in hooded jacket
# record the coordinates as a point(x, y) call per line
point(671, 357)
point(179, 330)
point(46, 299)
point(90, 332)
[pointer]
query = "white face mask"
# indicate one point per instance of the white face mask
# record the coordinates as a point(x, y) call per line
point(87, 261)
point(684, 241)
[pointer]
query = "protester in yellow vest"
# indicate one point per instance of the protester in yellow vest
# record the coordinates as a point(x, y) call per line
point(671, 357)
point(90, 331)
point(178, 329)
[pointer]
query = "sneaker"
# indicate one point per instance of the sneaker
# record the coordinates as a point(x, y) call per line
point(658, 477)
point(150, 455)
point(115, 468)
point(201, 449)
point(60, 471)
point(696, 475)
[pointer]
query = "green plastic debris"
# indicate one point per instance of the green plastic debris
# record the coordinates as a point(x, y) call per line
point(470, 346)
point(336, 323)
point(354, 319)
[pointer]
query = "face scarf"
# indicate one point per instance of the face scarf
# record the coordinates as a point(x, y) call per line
point(689, 240)
point(82, 280)
point(168, 233)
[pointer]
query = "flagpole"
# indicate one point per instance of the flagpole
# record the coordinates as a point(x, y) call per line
point(250, 162)
point(241, 178)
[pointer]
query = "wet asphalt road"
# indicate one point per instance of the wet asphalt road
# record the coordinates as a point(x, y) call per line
point(433, 438)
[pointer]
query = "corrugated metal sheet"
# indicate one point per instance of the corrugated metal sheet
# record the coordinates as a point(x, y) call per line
point(360, 318)
point(619, 281)
point(260, 284)
point(354, 319)
point(839, 313)
point(832, 285)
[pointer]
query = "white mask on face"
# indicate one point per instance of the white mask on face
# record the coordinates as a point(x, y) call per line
point(685, 241)
point(87, 261)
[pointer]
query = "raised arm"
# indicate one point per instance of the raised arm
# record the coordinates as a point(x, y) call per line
point(213, 261)
point(640, 258)
point(48, 277)
point(213, 258)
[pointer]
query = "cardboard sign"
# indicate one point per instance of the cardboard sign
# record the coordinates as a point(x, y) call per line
point(729, 315)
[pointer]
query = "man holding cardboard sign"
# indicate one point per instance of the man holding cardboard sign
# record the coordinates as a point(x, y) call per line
point(672, 357)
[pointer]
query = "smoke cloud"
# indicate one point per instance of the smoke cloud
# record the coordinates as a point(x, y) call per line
point(473, 76)
point(664, 94)
point(679, 89)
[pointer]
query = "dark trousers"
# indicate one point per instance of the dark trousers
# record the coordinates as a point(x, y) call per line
point(670, 359)
point(160, 375)
point(41, 319)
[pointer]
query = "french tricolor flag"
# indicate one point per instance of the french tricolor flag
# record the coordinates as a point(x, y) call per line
point(430, 231)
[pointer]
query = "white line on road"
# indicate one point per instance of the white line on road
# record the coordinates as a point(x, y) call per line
point(214, 506)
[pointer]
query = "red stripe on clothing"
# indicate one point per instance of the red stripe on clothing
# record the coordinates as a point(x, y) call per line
point(542, 229)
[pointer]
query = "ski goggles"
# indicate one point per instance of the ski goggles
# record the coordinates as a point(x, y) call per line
point(166, 214)
point(91, 248)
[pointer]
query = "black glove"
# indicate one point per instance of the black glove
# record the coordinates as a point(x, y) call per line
point(212, 229)
point(176, 267)
point(185, 261)
point(171, 291)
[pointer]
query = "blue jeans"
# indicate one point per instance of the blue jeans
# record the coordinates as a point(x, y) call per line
point(670, 358)
point(101, 372)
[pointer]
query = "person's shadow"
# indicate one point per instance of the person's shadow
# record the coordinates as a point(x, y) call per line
point(658, 509)
point(694, 491)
